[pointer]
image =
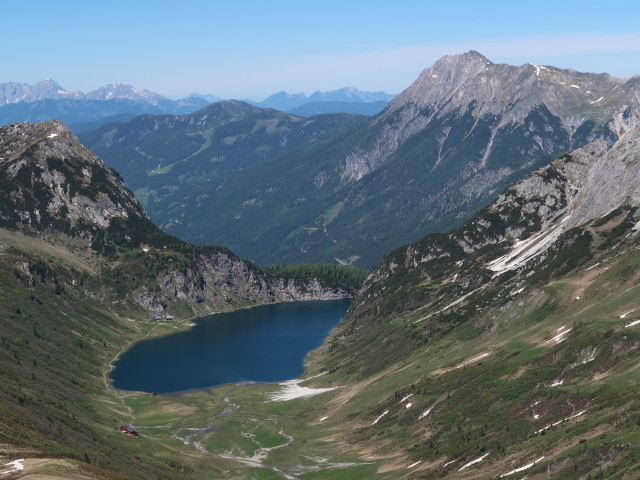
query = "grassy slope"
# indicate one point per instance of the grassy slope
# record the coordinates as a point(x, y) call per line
point(56, 344)
point(486, 370)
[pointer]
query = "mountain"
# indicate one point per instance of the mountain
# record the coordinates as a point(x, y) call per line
point(282, 101)
point(47, 100)
point(507, 345)
point(318, 108)
point(443, 148)
point(81, 269)
point(95, 124)
point(72, 111)
point(162, 155)
point(287, 102)
point(54, 184)
point(23, 92)
point(196, 99)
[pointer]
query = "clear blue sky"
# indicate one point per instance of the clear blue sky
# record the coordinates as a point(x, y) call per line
point(250, 48)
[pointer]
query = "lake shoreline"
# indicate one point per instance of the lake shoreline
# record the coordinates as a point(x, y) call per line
point(264, 345)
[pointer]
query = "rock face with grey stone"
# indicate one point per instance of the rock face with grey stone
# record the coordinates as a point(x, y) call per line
point(501, 98)
point(532, 217)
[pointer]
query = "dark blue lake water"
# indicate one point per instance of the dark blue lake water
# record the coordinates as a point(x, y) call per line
point(262, 344)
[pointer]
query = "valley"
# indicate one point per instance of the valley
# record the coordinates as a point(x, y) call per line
point(505, 345)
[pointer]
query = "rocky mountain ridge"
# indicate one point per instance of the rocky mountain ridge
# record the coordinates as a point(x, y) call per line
point(12, 92)
point(587, 105)
point(528, 217)
point(288, 101)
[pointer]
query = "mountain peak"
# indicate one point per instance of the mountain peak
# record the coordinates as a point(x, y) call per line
point(17, 138)
point(49, 82)
point(472, 55)
point(470, 59)
point(56, 184)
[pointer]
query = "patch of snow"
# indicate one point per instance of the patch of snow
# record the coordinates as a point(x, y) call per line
point(578, 298)
point(575, 86)
point(291, 390)
point(516, 292)
point(378, 419)
point(591, 356)
point(473, 359)
point(425, 413)
point(473, 462)
point(624, 314)
point(561, 335)
point(414, 464)
point(635, 322)
point(592, 266)
point(449, 463)
point(323, 419)
point(452, 304)
point(524, 250)
point(53, 135)
point(406, 398)
point(523, 468)
point(408, 405)
point(536, 416)
point(560, 421)
point(557, 383)
point(596, 101)
point(352, 395)
point(434, 76)
point(15, 466)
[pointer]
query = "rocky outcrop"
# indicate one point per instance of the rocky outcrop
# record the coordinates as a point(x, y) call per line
point(222, 281)
point(530, 216)
point(588, 106)
point(52, 182)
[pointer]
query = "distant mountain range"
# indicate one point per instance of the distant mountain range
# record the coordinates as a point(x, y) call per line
point(46, 100)
point(48, 89)
point(287, 102)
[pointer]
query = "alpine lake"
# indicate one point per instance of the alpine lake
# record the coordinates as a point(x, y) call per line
point(261, 344)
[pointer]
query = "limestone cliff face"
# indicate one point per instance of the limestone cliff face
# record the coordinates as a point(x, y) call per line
point(221, 281)
point(502, 97)
point(52, 182)
point(529, 217)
